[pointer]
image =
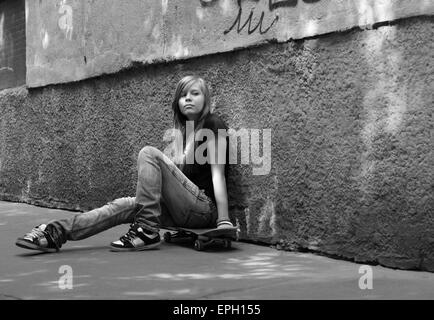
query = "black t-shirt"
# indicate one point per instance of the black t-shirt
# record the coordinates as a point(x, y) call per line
point(200, 174)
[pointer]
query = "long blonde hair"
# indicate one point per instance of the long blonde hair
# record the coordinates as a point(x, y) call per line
point(179, 120)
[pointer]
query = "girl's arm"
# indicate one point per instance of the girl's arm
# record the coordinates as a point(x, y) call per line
point(218, 177)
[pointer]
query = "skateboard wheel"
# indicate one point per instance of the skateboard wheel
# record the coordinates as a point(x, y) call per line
point(227, 244)
point(198, 245)
point(167, 237)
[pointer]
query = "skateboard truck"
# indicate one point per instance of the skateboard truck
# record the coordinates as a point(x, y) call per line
point(203, 238)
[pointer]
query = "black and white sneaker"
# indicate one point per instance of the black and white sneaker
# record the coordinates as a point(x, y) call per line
point(38, 239)
point(136, 239)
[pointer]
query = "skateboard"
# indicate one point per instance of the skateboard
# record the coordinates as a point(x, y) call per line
point(202, 238)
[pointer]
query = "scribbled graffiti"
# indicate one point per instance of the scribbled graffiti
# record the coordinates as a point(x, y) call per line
point(273, 4)
point(279, 4)
point(239, 25)
point(248, 22)
point(206, 2)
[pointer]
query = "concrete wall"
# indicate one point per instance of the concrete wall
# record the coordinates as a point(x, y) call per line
point(12, 44)
point(70, 40)
point(352, 121)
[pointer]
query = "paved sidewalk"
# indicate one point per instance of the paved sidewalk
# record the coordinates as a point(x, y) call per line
point(174, 271)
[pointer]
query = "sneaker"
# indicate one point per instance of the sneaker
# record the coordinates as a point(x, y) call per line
point(38, 239)
point(136, 239)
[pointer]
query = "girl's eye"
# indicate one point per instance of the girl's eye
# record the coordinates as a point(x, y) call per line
point(193, 93)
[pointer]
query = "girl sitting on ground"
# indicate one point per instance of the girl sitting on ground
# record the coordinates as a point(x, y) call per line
point(182, 191)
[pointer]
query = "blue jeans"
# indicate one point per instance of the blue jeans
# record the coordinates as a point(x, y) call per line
point(164, 197)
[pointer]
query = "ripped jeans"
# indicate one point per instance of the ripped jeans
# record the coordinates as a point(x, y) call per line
point(164, 197)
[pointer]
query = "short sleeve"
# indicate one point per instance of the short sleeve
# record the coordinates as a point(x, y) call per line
point(214, 123)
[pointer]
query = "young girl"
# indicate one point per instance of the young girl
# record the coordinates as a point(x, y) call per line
point(184, 191)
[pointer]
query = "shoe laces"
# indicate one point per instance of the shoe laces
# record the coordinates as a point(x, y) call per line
point(36, 233)
point(131, 234)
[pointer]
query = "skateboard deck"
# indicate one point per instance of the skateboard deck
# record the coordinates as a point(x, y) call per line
point(202, 238)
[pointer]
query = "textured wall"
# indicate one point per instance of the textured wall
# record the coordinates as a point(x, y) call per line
point(12, 43)
point(70, 40)
point(352, 147)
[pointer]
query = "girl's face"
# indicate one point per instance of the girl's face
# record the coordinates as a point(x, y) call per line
point(191, 102)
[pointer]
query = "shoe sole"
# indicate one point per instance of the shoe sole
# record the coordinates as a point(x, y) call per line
point(29, 245)
point(151, 246)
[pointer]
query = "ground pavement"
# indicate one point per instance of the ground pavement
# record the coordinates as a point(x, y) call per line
point(87, 269)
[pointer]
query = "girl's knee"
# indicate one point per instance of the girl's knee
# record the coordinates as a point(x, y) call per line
point(125, 203)
point(149, 151)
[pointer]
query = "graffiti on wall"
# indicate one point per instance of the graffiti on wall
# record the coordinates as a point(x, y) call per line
point(91, 38)
point(240, 24)
point(248, 22)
